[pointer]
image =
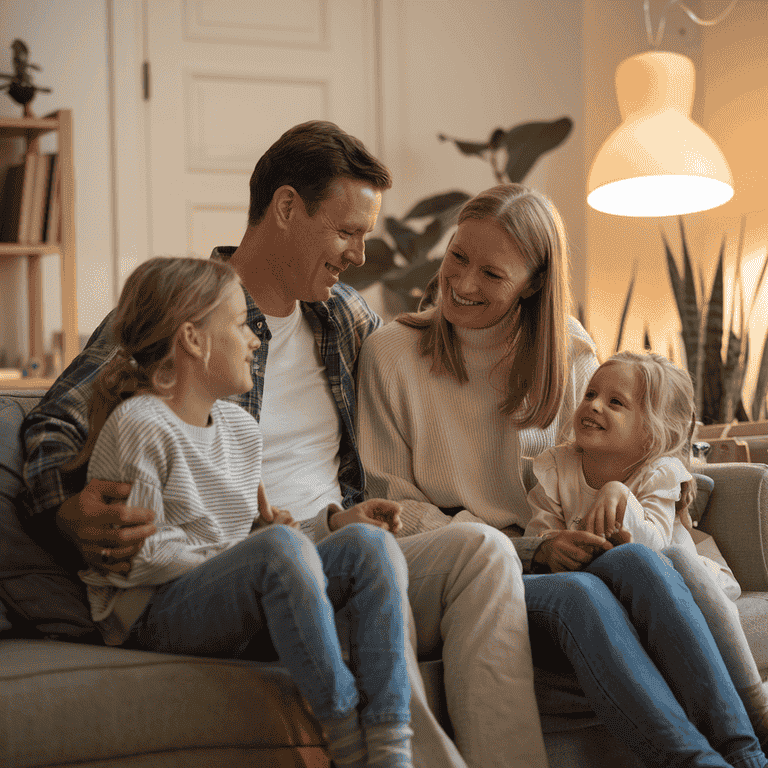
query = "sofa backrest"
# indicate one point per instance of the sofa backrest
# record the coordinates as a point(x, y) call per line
point(37, 595)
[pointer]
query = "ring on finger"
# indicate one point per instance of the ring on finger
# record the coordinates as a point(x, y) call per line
point(104, 556)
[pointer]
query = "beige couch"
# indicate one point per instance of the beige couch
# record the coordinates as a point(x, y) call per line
point(80, 704)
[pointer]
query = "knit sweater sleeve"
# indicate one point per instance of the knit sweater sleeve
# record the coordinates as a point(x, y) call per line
point(385, 440)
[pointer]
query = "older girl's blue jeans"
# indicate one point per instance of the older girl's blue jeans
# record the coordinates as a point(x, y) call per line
point(277, 589)
point(644, 657)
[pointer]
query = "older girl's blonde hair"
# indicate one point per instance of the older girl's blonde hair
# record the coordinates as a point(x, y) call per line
point(666, 397)
point(158, 297)
point(538, 340)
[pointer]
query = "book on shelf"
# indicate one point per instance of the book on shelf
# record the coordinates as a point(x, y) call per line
point(53, 214)
point(39, 196)
point(10, 203)
point(10, 373)
point(27, 189)
point(51, 196)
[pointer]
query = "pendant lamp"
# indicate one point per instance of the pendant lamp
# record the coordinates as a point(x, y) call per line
point(658, 162)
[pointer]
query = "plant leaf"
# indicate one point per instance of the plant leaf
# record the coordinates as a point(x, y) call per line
point(761, 388)
point(712, 369)
point(438, 204)
point(647, 346)
point(732, 378)
point(758, 285)
point(497, 138)
point(476, 148)
point(526, 143)
point(413, 276)
point(690, 317)
point(379, 258)
point(625, 310)
point(403, 236)
point(428, 239)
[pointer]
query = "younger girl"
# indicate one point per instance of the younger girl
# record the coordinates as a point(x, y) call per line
point(218, 579)
point(622, 477)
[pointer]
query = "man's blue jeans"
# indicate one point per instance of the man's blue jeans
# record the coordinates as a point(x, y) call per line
point(645, 658)
point(277, 585)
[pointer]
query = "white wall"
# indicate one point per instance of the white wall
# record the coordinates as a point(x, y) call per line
point(465, 67)
point(69, 41)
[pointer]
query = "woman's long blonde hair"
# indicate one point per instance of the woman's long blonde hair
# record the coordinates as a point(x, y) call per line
point(158, 297)
point(538, 340)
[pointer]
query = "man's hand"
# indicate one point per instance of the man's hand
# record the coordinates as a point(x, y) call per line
point(379, 512)
point(269, 515)
point(570, 550)
point(106, 532)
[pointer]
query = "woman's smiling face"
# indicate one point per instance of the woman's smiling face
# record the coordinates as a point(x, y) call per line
point(483, 275)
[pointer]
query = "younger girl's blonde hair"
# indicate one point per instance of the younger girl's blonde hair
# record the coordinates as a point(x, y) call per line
point(538, 340)
point(158, 297)
point(666, 397)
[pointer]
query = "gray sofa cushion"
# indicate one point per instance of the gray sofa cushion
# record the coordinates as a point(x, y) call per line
point(40, 597)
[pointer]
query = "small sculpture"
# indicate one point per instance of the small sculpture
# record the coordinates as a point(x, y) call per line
point(20, 86)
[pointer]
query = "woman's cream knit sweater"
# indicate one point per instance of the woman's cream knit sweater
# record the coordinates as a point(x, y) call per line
point(428, 441)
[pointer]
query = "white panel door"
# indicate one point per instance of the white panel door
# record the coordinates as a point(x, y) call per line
point(227, 77)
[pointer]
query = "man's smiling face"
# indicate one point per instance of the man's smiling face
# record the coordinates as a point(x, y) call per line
point(324, 245)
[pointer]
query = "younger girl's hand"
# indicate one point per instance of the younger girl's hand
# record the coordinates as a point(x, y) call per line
point(379, 512)
point(606, 515)
point(570, 550)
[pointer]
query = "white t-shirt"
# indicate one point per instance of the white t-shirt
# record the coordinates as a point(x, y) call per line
point(299, 422)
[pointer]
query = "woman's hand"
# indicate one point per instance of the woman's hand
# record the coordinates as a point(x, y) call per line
point(606, 515)
point(269, 515)
point(570, 550)
point(380, 512)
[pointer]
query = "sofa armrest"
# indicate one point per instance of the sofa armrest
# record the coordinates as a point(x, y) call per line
point(737, 519)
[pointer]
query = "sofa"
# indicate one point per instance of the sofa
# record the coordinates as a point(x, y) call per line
point(68, 700)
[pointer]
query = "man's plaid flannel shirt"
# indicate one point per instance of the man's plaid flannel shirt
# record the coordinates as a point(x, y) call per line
point(57, 428)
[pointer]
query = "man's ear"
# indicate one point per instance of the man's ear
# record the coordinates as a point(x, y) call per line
point(192, 340)
point(284, 203)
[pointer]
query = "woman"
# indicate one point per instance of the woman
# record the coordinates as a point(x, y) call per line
point(453, 400)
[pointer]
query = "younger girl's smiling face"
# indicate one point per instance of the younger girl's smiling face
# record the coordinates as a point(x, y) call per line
point(483, 275)
point(609, 421)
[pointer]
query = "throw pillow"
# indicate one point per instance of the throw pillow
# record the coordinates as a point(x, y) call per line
point(39, 595)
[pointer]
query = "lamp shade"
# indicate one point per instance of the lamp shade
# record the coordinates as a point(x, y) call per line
point(658, 162)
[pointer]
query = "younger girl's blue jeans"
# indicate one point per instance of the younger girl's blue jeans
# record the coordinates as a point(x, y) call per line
point(645, 658)
point(277, 585)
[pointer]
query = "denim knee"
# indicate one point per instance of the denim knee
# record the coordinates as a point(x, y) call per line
point(285, 550)
point(375, 545)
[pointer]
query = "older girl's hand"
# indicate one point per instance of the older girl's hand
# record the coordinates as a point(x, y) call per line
point(269, 515)
point(379, 512)
point(570, 550)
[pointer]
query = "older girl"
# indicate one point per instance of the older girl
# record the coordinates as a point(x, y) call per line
point(494, 371)
point(622, 476)
point(202, 584)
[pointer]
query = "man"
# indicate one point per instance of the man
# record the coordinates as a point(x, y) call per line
point(315, 195)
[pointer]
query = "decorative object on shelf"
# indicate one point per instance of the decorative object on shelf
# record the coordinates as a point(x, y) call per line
point(406, 270)
point(20, 86)
point(658, 162)
point(32, 369)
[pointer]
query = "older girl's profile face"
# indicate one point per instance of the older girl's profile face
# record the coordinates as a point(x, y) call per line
point(483, 275)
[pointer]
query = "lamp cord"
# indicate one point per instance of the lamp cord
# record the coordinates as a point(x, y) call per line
point(691, 15)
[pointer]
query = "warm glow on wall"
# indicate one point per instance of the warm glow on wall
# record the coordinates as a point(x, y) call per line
point(658, 162)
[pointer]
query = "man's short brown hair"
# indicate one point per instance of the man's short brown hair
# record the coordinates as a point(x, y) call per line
point(308, 157)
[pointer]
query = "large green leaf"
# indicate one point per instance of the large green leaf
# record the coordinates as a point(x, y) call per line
point(466, 147)
point(761, 388)
point(625, 310)
point(404, 237)
point(379, 258)
point(438, 204)
point(712, 368)
point(528, 142)
point(412, 279)
point(684, 291)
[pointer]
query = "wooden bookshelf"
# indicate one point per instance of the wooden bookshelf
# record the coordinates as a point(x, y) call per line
point(31, 128)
